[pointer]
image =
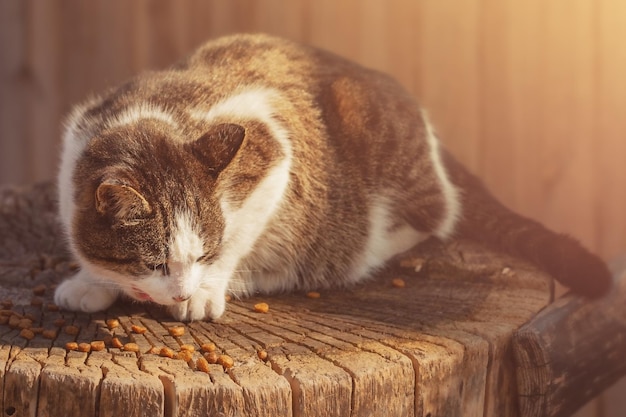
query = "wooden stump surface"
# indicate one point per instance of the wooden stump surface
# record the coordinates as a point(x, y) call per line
point(440, 346)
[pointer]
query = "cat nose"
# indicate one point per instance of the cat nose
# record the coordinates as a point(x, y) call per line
point(181, 298)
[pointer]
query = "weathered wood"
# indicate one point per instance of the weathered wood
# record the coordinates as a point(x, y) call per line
point(440, 346)
point(571, 352)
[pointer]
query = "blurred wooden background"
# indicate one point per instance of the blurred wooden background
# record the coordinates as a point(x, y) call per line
point(529, 94)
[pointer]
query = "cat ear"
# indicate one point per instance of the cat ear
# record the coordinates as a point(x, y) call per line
point(121, 201)
point(217, 147)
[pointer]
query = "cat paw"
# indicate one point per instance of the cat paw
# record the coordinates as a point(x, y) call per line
point(200, 306)
point(80, 294)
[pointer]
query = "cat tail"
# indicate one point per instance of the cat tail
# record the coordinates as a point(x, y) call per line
point(487, 221)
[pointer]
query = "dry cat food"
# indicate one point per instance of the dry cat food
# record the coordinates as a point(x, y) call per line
point(71, 346)
point(153, 350)
point(84, 347)
point(116, 343)
point(52, 307)
point(188, 348)
point(131, 347)
point(202, 365)
point(72, 330)
point(226, 361)
point(37, 330)
point(185, 355)
point(398, 283)
point(313, 294)
point(262, 354)
point(59, 322)
point(261, 307)
point(177, 331)
point(98, 345)
point(25, 324)
point(166, 352)
point(36, 302)
point(27, 334)
point(14, 321)
point(113, 323)
point(49, 334)
point(138, 329)
point(208, 347)
point(211, 357)
point(39, 289)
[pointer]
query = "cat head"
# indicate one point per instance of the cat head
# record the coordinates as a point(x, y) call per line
point(147, 213)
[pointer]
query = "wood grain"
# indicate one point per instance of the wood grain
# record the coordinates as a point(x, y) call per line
point(440, 346)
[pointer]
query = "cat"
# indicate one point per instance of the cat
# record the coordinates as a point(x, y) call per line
point(258, 164)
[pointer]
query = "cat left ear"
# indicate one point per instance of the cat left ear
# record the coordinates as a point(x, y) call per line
point(121, 201)
point(218, 146)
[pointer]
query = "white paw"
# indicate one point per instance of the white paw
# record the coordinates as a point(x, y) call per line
point(200, 306)
point(80, 293)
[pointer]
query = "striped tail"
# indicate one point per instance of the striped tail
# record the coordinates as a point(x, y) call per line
point(487, 221)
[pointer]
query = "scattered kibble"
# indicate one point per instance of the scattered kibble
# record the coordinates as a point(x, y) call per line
point(4, 319)
point(262, 354)
point(261, 307)
point(98, 345)
point(131, 347)
point(84, 347)
point(37, 330)
point(398, 283)
point(27, 334)
point(211, 357)
point(6, 312)
point(188, 348)
point(14, 321)
point(153, 350)
point(49, 334)
point(52, 307)
point(113, 323)
point(177, 331)
point(6, 303)
point(72, 330)
point(226, 361)
point(166, 352)
point(415, 263)
point(36, 302)
point(313, 294)
point(228, 298)
point(138, 329)
point(203, 365)
point(59, 322)
point(116, 343)
point(71, 346)
point(25, 324)
point(39, 289)
point(184, 355)
point(208, 347)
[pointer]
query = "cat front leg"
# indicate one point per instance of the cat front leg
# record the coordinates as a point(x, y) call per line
point(84, 293)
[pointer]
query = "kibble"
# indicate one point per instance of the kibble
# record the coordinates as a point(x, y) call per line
point(313, 294)
point(261, 307)
point(202, 365)
point(49, 334)
point(131, 347)
point(226, 361)
point(98, 345)
point(25, 324)
point(177, 331)
point(208, 347)
point(6, 303)
point(153, 350)
point(39, 289)
point(4, 319)
point(211, 357)
point(27, 334)
point(184, 355)
point(52, 307)
point(138, 329)
point(84, 347)
point(36, 302)
point(188, 348)
point(113, 323)
point(116, 343)
point(14, 321)
point(262, 354)
point(59, 322)
point(72, 330)
point(71, 346)
point(398, 283)
point(37, 330)
point(166, 352)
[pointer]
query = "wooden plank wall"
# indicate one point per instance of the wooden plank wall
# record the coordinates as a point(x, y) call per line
point(530, 94)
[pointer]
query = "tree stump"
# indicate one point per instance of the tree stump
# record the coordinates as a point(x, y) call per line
point(438, 346)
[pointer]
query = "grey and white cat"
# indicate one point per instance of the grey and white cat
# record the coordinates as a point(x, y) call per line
point(259, 164)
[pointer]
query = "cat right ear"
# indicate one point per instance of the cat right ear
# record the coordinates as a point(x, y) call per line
point(217, 147)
